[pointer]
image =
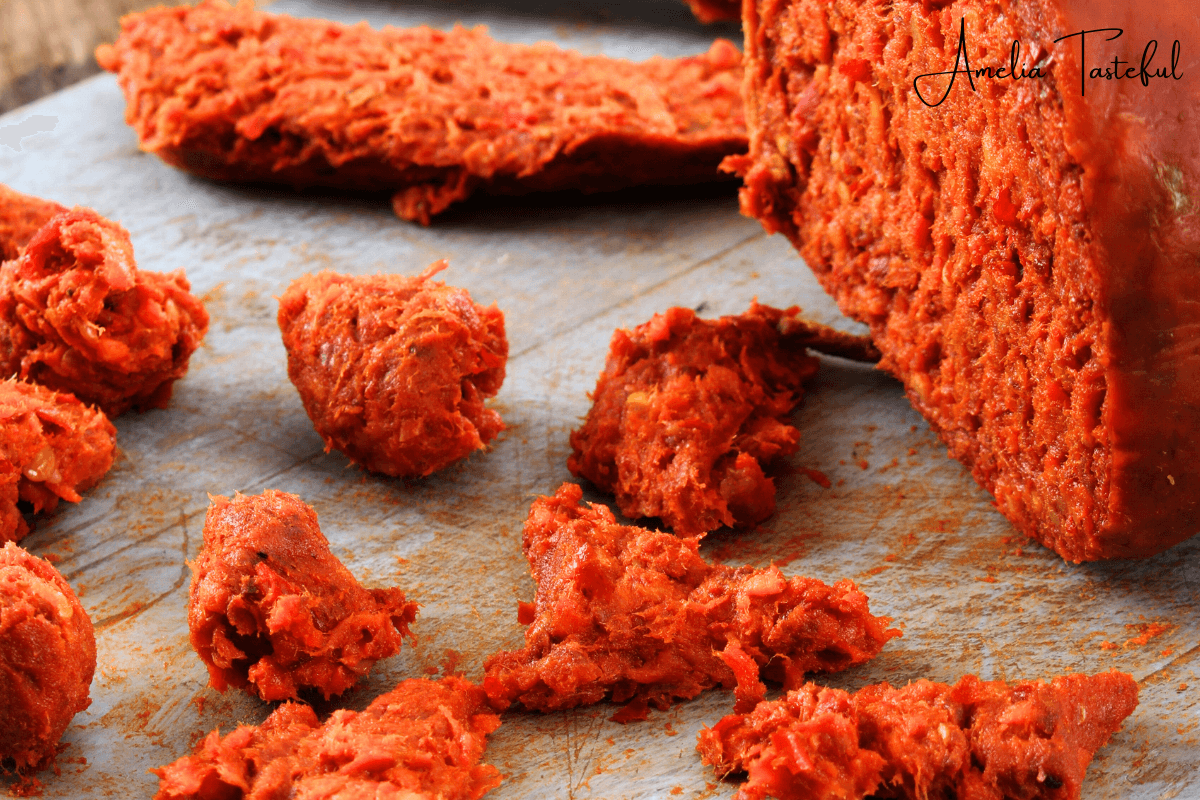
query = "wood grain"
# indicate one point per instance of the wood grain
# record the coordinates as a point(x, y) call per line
point(46, 45)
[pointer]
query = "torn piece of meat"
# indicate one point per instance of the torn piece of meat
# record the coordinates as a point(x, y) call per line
point(47, 658)
point(976, 739)
point(423, 739)
point(21, 216)
point(52, 447)
point(235, 94)
point(78, 316)
point(708, 11)
point(638, 615)
point(271, 610)
point(394, 370)
point(1027, 270)
point(688, 411)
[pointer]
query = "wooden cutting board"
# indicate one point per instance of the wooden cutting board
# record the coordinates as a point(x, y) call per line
point(900, 518)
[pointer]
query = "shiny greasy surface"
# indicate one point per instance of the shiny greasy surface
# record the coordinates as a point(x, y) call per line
point(905, 523)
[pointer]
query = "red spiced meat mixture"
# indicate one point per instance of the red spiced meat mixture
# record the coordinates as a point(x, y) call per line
point(394, 370)
point(687, 412)
point(273, 611)
point(423, 739)
point(20, 218)
point(974, 740)
point(1024, 251)
point(716, 10)
point(47, 659)
point(52, 447)
point(235, 94)
point(636, 615)
point(78, 316)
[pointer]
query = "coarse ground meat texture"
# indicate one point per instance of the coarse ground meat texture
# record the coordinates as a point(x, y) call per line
point(78, 316)
point(637, 615)
point(236, 94)
point(394, 370)
point(271, 610)
point(47, 658)
point(423, 739)
point(52, 447)
point(688, 411)
point(1024, 252)
point(982, 740)
point(716, 10)
point(21, 216)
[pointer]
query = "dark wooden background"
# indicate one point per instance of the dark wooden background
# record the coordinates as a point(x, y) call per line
point(47, 44)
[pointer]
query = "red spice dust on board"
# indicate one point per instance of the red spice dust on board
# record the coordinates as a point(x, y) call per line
point(754, 550)
point(450, 663)
point(1146, 632)
point(1108, 646)
point(816, 475)
point(676, 789)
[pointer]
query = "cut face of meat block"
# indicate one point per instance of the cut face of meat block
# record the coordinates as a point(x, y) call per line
point(1023, 249)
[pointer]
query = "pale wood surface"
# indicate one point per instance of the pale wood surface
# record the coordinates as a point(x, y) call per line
point(902, 520)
